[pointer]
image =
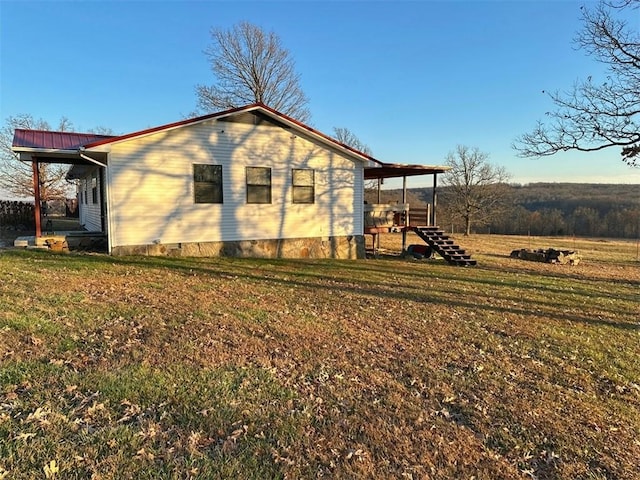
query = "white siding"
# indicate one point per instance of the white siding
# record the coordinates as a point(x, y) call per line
point(151, 186)
point(89, 212)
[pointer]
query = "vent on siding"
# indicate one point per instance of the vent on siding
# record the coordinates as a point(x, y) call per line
point(253, 118)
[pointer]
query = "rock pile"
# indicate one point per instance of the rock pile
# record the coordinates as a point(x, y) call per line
point(551, 255)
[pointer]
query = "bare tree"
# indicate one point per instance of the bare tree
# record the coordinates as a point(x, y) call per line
point(346, 136)
point(250, 65)
point(593, 116)
point(16, 177)
point(476, 190)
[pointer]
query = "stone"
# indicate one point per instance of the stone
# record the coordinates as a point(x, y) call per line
point(348, 247)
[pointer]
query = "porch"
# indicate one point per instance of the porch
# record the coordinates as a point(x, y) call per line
point(63, 234)
point(396, 217)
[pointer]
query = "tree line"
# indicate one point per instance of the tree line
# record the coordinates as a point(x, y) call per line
point(618, 222)
point(589, 210)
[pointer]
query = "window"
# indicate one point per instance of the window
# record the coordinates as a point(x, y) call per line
point(94, 187)
point(303, 180)
point(258, 185)
point(207, 183)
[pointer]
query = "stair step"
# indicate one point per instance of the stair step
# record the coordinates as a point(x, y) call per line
point(449, 248)
point(445, 246)
point(457, 258)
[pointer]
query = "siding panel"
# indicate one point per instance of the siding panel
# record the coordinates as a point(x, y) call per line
point(152, 196)
point(89, 212)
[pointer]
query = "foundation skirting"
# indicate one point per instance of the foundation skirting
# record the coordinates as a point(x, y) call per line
point(347, 247)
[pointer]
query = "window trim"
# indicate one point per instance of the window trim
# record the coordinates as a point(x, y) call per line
point(249, 185)
point(312, 186)
point(94, 187)
point(193, 173)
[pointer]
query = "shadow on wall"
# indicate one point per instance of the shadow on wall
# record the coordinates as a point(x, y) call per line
point(233, 228)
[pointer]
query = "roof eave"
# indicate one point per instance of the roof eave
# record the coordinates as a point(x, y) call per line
point(294, 124)
point(398, 170)
point(46, 155)
point(43, 151)
point(163, 128)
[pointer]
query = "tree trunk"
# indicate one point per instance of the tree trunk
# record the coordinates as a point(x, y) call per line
point(467, 225)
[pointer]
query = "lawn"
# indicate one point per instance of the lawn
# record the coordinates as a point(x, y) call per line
point(134, 367)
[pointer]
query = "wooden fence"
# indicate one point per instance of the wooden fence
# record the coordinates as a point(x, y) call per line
point(19, 215)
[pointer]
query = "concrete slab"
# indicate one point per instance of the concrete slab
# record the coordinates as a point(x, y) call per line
point(72, 239)
point(21, 242)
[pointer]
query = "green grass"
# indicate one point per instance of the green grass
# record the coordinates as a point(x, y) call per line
point(244, 368)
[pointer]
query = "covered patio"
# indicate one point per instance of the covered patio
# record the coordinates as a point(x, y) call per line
point(385, 218)
point(44, 147)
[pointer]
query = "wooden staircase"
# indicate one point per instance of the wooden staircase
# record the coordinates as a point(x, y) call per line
point(444, 246)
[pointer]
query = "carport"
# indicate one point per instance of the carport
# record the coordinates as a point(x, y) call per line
point(39, 147)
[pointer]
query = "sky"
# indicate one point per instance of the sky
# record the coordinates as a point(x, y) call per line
point(411, 79)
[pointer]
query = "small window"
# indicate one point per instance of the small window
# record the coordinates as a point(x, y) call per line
point(94, 187)
point(303, 181)
point(258, 184)
point(207, 183)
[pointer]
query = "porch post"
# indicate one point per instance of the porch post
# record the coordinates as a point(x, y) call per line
point(435, 199)
point(36, 195)
point(379, 181)
point(406, 214)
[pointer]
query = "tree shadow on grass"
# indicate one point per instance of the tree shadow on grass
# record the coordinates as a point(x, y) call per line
point(297, 274)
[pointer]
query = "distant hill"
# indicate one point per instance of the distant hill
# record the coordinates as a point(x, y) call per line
point(535, 196)
point(568, 196)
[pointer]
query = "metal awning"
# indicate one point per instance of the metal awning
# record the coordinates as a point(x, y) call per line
point(397, 170)
point(54, 147)
point(41, 140)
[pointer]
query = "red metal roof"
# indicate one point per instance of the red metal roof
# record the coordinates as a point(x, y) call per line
point(73, 141)
point(54, 140)
point(253, 106)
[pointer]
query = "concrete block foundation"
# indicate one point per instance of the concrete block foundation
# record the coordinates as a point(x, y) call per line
point(348, 247)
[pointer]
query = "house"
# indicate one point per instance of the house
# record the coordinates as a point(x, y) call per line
point(248, 181)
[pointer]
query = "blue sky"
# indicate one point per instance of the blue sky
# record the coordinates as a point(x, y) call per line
point(411, 79)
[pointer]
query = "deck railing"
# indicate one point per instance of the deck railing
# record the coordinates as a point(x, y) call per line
point(389, 215)
point(420, 217)
point(386, 215)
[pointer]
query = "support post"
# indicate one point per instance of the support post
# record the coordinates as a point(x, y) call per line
point(36, 195)
point(404, 189)
point(379, 182)
point(406, 214)
point(434, 202)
